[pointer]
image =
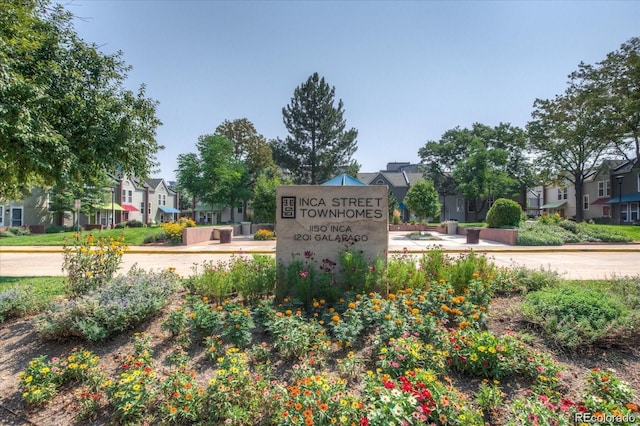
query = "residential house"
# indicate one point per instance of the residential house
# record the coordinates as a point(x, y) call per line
point(596, 194)
point(625, 194)
point(33, 210)
point(129, 199)
point(398, 177)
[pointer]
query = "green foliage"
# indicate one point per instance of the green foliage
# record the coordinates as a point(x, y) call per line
point(253, 277)
point(479, 163)
point(15, 302)
point(122, 303)
point(263, 201)
point(409, 342)
point(540, 234)
point(43, 377)
point(27, 295)
point(422, 199)
point(318, 146)
point(67, 116)
point(91, 263)
point(551, 230)
point(504, 213)
point(573, 316)
point(214, 175)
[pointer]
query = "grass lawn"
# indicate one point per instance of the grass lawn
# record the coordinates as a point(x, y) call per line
point(42, 290)
point(632, 231)
point(132, 237)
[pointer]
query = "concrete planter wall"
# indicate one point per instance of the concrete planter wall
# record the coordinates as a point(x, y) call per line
point(409, 227)
point(504, 236)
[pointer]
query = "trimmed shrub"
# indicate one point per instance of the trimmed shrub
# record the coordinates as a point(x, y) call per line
point(6, 234)
point(503, 213)
point(19, 230)
point(135, 224)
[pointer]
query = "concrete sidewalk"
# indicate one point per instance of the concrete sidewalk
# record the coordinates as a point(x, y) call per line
point(575, 261)
point(398, 243)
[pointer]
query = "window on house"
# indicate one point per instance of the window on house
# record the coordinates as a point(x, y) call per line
point(1, 215)
point(459, 205)
point(634, 212)
point(585, 202)
point(638, 182)
point(563, 193)
point(624, 212)
point(379, 182)
point(149, 207)
point(606, 210)
point(471, 207)
point(604, 188)
point(142, 206)
point(239, 210)
point(123, 199)
point(130, 197)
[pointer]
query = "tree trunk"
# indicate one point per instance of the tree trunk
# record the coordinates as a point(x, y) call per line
point(579, 191)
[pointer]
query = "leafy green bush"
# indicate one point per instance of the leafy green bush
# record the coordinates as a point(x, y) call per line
point(573, 316)
point(56, 229)
point(254, 277)
point(6, 234)
point(122, 303)
point(134, 224)
point(14, 302)
point(503, 213)
point(91, 262)
point(540, 234)
point(19, 230)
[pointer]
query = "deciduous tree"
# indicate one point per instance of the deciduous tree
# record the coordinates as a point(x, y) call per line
point(481, 163)
point(213, 175)
point(571, 136)
point(422, 199)
point(65, 115)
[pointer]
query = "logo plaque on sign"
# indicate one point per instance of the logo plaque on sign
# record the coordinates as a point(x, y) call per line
point(288, 210)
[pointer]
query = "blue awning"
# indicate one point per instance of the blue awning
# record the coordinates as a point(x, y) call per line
point(168, 209)
point(626, 198)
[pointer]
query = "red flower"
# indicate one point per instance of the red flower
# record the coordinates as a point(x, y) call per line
point(364, 421)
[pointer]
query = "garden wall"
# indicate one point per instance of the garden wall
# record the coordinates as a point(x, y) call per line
point(414, 227)
point(197, 234)
point(505, 236)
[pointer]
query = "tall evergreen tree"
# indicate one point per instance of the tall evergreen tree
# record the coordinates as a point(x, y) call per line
point(318, 146)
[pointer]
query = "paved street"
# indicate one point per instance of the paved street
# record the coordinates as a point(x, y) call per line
point(571, 261)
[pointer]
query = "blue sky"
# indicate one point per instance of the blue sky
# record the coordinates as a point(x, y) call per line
point(406, 71)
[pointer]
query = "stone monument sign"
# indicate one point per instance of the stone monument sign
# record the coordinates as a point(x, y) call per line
point(325, 220)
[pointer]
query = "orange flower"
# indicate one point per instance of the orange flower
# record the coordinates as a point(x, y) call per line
point(325, 407)
point(631, 406)
point(298, 406)
point(307, 413)
point(308, 421)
